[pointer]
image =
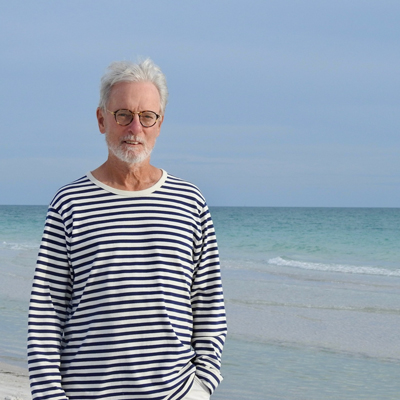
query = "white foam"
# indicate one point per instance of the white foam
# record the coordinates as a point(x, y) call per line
point(349, 269)
point(19, 246)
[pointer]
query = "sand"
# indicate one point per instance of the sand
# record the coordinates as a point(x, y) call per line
point(14, 383)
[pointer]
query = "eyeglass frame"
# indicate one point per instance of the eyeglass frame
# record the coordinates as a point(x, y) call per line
point(133, 116)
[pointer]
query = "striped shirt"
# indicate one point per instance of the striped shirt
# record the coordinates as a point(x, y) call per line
point(127, 300)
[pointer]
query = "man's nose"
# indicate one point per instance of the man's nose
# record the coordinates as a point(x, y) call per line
point(135, 124)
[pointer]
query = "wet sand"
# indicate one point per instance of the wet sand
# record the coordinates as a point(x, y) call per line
point(14, 383)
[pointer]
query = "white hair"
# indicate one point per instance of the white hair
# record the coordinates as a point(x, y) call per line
point(127, 71)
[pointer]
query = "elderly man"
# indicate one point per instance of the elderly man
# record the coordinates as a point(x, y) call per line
point(127, 299)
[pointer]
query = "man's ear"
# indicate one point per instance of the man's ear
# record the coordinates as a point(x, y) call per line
point(100, 120)
point(160, 121)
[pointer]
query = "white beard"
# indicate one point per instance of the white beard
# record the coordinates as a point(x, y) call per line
point(127, 155)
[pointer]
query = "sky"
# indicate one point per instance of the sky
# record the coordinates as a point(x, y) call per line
point(280, 103)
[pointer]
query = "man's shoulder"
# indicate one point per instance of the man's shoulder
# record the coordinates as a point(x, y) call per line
point(179, 184)
point(172, 179)
point(72, 189)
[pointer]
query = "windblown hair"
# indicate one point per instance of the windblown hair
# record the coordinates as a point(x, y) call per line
point(127, 71)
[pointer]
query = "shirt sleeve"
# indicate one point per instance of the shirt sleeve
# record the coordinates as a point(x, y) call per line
point(49, 303)
point(209, 318)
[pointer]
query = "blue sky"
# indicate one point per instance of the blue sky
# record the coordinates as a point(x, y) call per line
point(272, 103)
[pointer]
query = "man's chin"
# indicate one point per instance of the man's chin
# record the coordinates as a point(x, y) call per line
point(132, 159)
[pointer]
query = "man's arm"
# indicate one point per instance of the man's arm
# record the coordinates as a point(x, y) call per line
point(50, 297)
point(209, 318)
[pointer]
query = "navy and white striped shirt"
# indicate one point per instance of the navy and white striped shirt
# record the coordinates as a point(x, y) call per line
point(127, 300)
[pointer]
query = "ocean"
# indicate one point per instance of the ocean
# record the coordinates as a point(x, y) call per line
point(312, 297)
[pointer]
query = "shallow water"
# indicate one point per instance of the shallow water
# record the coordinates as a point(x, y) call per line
point(281, 372)
point(313, 301)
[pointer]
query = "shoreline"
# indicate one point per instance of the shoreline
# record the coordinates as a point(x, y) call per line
point(14, 382)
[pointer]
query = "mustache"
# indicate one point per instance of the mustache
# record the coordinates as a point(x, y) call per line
point(132, 138)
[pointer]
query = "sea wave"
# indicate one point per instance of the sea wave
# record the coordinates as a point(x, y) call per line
point(343, 268)
point(19, 246)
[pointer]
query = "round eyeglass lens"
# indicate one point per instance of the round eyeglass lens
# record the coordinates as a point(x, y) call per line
point(123, 117)
point(148, 118)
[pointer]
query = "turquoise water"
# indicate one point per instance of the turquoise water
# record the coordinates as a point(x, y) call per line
point(312, 295)
point(313, 301)
point(357, 237)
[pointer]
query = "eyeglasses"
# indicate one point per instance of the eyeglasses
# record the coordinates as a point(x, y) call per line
point(125, 117)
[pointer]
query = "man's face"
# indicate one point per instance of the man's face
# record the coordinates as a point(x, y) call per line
point(131, 143)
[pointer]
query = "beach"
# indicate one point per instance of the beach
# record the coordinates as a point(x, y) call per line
point(14, 383)
point(312, 298)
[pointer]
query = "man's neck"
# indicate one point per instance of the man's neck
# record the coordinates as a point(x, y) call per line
point(124, 176)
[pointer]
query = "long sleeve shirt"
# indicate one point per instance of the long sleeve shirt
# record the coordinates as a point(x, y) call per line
point(127, 300)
